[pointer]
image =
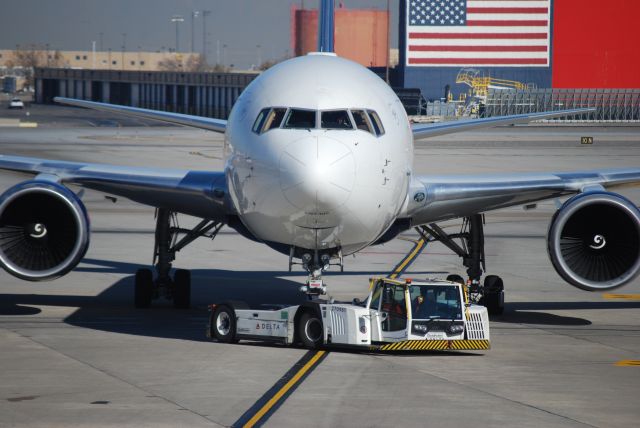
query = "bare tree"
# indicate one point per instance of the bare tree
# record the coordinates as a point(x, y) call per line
point(196, 63)
point(31, 57)
point(268, 64)
point(219, 68)
point(170, 64)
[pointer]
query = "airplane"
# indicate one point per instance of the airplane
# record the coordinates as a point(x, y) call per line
point(318, 165)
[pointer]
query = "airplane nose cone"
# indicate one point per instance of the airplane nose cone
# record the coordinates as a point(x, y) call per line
point(317, 174)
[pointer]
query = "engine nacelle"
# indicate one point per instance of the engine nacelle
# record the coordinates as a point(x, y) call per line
point(44, 230)
point(594, 241)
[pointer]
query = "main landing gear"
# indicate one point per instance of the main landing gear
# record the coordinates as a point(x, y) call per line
point(491, 292)
point(166, 246)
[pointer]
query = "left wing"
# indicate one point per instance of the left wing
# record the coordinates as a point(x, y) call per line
point(437, 198)
point(215, 125)
point(441, 128)
point(198, 193)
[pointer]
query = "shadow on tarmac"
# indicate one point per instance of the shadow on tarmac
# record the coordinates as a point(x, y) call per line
point(113, 311)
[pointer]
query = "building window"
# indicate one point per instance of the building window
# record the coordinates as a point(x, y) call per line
point(114, 62)
point(133, 63)
point(84, 57)
point(141, 62)
point(77, 57)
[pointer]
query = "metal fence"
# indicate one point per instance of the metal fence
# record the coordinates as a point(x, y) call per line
point(612, 105)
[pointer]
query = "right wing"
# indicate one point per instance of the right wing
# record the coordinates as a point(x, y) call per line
point(215, 125)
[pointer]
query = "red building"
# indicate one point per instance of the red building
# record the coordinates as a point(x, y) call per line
point(596, 44)
point(361, 35)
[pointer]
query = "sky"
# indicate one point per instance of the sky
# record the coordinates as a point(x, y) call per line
point(252, 30)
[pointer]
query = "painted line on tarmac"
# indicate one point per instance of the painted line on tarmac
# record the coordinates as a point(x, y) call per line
point(277, 395)
point(28, 125)
point(273, 399)
point(626, 363)
point(613, 296)
point(418, 246)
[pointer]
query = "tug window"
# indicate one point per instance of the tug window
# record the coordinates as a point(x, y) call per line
point(274, 119)
point(338, 119)
point(259, 123)
point(300, 119)
point(362, 122)
point(377, 124)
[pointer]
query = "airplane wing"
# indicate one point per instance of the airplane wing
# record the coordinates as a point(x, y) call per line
point(198, 193)
point(215, 125)
point(441, 128)
point(437, 198)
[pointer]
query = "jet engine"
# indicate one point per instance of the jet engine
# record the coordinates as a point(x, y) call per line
point(594, 241)
point(44, 230)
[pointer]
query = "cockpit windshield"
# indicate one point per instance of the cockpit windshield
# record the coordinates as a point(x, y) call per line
point(268, 118)
point(435, 301)
point(300, 119)
point(297, 118)
point(362, 121)
point(338, 119)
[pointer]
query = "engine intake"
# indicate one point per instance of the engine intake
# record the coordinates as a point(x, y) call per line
point(44, 230)
point(594, 241)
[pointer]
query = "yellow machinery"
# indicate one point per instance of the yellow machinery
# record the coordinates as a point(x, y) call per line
point(480, 84)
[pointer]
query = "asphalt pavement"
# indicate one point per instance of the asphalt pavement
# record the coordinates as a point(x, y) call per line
point(74, 351)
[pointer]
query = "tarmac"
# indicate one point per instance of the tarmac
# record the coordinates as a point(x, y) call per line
point(74, 351)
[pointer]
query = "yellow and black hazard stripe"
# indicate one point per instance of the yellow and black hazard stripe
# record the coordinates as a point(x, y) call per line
point(434, 345)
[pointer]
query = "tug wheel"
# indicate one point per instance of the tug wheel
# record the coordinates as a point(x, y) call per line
point(310, 330)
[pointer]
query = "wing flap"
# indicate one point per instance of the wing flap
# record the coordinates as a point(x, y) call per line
point(215, 125)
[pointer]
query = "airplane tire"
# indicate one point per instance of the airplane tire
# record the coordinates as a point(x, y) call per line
point(143, 288)
point(310, 330)
point(493, 298)
point(182, 289)
point(455, 278)
point(223, 324)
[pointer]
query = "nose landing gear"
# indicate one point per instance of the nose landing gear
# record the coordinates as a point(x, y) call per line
point(315, 264)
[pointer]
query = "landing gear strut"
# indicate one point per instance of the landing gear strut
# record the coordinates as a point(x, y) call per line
point(471, 250)
point(166, 246)
point(315, 263)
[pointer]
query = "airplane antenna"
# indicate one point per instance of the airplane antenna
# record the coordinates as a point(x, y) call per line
point(325, 26)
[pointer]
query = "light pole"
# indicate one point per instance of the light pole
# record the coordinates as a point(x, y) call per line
point(194, 15)
point(259, 49)
point(124, 47)
point(177, 19)
point(205, 13)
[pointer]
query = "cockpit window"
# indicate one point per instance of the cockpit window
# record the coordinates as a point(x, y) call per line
point(338, 119)
point(362, 122)
point(377, 124)
point(259, 123)
point(274, 119)
point(300, 119)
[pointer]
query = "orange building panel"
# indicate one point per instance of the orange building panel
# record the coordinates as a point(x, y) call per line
point(360, 34)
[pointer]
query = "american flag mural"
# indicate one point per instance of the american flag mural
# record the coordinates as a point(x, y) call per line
point(488, 33)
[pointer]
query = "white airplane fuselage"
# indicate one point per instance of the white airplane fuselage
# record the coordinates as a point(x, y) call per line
point(314, 188)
